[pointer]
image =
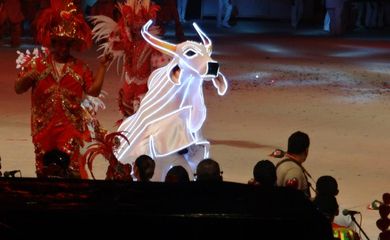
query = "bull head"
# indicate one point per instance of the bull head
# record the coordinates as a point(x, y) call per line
point(192, 58)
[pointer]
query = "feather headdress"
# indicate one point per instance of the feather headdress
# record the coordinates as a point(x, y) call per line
point(63, 20)
point(108, 33)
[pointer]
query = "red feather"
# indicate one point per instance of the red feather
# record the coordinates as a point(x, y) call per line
point(104, 147)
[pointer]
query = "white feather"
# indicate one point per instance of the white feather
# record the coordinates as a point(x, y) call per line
point(93, 104)
point(106, 29)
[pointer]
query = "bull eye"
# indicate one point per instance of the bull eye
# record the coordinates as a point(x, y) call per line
point(190, 53)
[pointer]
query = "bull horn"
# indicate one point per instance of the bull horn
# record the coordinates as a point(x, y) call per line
point(206, 40)
point(160, 45)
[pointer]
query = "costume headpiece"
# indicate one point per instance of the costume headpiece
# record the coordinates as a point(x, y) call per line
point(135, 13)
point(63, 20)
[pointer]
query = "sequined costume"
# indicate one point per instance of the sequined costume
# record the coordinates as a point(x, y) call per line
point(136, 59)
point(59, 84)
point(57, 119)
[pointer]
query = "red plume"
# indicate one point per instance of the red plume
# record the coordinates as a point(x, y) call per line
point(106, 147)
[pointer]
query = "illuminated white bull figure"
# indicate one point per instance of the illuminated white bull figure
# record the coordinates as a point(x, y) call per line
point(171, 114)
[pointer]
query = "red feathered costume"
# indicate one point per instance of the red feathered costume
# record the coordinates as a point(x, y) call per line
point(58, 120)
point(137, 52)
point(124, 41)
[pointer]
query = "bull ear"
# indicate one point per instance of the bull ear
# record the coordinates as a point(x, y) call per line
point(220, 84)
point(175, 75)
point(160, 45)
point(206, 40)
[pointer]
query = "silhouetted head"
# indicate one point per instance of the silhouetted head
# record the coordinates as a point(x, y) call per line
point(264, 173)
point(177, 174)
point(55, 163)
point(327, 185)
point(144, 168)
point(298, 143)
point(208, 170)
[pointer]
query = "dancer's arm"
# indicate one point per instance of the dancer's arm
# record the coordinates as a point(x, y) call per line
point(23, 83)
point(98, 80)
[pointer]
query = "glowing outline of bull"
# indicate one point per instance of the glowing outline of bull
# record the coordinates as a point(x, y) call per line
point(162, 81)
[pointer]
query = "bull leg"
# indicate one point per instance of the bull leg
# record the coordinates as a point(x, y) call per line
point(198, 151)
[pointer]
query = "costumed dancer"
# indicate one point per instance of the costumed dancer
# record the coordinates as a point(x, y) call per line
point(58, 83)
point(171, 114)
point(135, 58)
point(11, 12)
